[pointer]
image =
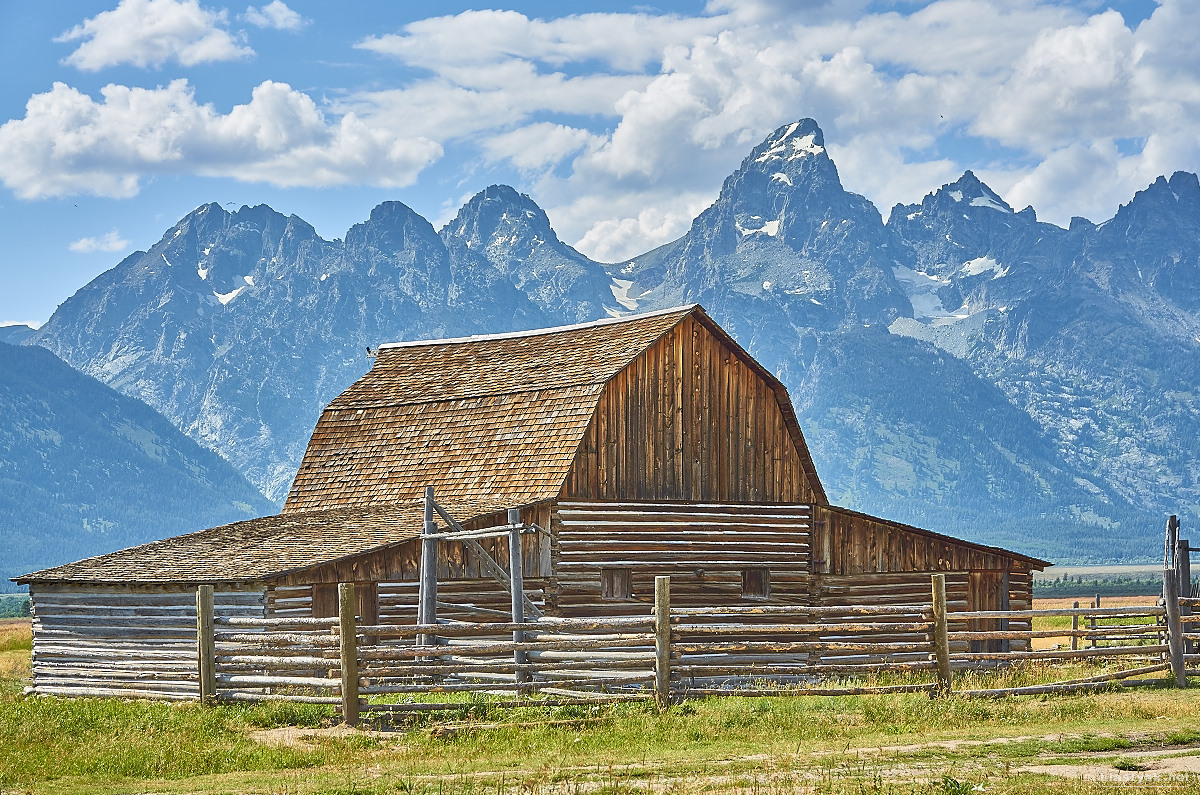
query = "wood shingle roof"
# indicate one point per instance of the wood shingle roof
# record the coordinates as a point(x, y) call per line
point(260, 549)
point(493, 417)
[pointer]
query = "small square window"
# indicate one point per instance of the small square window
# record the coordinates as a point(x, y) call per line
point(616, 584)
point(756, 583)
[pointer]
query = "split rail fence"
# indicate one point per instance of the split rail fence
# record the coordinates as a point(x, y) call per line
point(674, 654)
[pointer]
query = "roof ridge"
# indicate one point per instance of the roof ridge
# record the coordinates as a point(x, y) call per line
point(608, 321)
point(382, 403)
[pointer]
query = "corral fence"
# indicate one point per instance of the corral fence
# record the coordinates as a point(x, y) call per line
point(675, 653)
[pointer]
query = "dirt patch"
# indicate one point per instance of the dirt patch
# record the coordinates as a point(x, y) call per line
point(299, 737)
point(1132, 767)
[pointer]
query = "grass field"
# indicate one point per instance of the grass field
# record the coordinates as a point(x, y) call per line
point(1145, 739)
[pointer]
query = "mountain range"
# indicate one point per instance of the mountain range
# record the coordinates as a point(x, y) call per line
point(961, 366)
point(86, 470)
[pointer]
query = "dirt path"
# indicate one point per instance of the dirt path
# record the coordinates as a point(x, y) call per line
point(763, 772)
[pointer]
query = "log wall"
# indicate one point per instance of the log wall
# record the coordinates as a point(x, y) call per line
point(691, 419)
point(131, 641)
point(705, 548)
point(402, 562)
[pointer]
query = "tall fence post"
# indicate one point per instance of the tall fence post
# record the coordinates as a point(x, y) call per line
point(206, 644)
point(662, 641)
point(348, 635)
point(427, 594)
point(1075, 628)
point(1171, 602)
point(516, 567)
point(941, 636)
point(1183, 576)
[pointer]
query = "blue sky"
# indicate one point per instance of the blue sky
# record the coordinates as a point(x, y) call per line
point(118, 118)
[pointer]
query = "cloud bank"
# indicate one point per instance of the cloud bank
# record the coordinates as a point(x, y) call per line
point(623, 125)
point(70, 143)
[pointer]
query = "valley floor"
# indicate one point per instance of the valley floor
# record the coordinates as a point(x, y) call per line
point(1146, 740)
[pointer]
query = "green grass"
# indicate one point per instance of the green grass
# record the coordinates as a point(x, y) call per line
point(899, 743)
point(769, 745)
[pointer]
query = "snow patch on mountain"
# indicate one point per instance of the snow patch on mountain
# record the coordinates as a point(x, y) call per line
point(801, 147)
point(769, 228)
point(981, 265)
point(921, 289)
point(620, 290)
point(225, 298)
point(987, 201)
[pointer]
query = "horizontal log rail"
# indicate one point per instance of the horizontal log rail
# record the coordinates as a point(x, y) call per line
point(1088, 612)
point(676, 652)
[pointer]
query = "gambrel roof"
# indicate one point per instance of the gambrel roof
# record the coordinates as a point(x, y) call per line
point(496, 417)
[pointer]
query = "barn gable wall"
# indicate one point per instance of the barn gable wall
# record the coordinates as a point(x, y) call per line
point(689, 419)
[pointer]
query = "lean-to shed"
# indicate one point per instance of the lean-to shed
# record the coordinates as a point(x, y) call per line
point(636, 446)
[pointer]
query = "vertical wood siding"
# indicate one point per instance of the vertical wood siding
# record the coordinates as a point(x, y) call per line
point(689, 419)
point(846, 542)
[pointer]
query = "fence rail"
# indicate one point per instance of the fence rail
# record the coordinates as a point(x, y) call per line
point(682, 652)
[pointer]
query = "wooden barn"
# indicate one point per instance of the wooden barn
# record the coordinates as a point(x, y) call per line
point(631, 448)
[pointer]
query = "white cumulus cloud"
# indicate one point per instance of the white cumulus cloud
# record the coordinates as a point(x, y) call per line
point(539, 146)
point(623, 125)
point(69, 142)
point(274, 15)
point(110, 242)
point(152, 32)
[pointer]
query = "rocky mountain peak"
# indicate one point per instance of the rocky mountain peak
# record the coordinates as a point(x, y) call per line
point(502, 230)
point(505, 226)
point(783, 232)
point(787, 185)
point(391, 226)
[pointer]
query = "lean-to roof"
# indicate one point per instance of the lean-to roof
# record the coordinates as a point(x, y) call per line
point(259, 549)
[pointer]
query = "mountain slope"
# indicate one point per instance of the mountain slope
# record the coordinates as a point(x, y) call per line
point(240, 327)
point(1092, 332)
point(85, 470)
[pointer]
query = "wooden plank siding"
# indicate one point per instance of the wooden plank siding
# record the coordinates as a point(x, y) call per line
point(867, 559)
point(689, 419)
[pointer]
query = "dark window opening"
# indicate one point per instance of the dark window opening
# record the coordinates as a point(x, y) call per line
point(616, 583)
point(756, 583)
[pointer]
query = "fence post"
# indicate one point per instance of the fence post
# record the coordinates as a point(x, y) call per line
point(427, 594)
point(662, 641)
point(206, 645)
point(1183, 574)
point(1074, 628)
point(516, 568)
point(348, 635)
point(1171, 602)
point(941, 637)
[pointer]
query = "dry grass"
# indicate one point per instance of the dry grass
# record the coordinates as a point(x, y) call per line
point(1064, 622)
point(1105, 601)
point(16, 641)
